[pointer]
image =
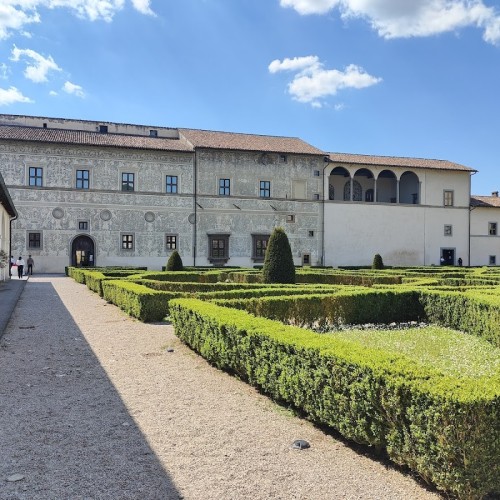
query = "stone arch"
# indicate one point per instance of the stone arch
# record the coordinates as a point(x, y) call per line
point(366, 179)
point(357, 191)
point(387, 187)
point(83, 251)
point(409, 188)
point(336, 181)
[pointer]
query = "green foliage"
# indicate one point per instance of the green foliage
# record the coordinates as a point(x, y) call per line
point(444, 428)
point(378, 263)
point(175, 262)
point(278, 262)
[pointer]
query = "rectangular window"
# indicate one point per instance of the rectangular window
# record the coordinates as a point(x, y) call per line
point(83, 225)
point(448, 230)
point(171, 184)
point(448, 198)
point(283, 159)
point(36, 176)
point(153, 133)
point(265, 189)
point(171, 241)
point(35, 240)
point(82, 179)
point(224, 187)
point(492, 228)
point(128, 181)
point(317, 173)
point(218, 248)
point(493, 260)
point(127, 241)
point(311, 234)
point(316, 196)
point(259, 242)
point(290, 218)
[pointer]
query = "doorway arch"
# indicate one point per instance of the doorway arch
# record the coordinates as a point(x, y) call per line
point(83, 251)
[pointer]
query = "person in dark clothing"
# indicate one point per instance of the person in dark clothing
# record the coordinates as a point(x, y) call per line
point(30, 263)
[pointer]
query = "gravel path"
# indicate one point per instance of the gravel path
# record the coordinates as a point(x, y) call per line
point(92, 406)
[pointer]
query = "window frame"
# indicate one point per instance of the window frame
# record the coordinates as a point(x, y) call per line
point(174, 242)
point(218, 258)
point(35, 176)
point(171, 185)
point(492, 229)
point(448, 198)
point(259, 250)
point(224, 188)
point(127, 182)
point(492, 260)
point(29, 240)
point(127, 241)
point(85, 182)
point(82, 222)
point(448, 230)
point(265, 189)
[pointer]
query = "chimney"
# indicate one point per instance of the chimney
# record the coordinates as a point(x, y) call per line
point(495, 194)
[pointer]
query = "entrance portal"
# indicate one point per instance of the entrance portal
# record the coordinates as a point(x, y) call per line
point(448, 256)
point(82, 252)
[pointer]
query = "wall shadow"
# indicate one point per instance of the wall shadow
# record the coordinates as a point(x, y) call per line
point(63, 425)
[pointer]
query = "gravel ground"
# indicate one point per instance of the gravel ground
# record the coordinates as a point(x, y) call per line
point(92, 406)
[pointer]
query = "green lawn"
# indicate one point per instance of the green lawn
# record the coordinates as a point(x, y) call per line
point(452, 352)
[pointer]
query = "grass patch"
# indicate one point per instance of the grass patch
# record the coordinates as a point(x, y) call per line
point(449, 351)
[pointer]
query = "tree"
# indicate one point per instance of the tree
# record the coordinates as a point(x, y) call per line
point(378, 263)
point(175, 262)
point(278, 262)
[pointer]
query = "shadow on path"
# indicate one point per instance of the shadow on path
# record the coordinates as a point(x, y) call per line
point(63, 425)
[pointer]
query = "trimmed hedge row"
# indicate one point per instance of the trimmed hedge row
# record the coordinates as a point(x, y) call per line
point(138, 300)
point(445, 429)
point(356, 306)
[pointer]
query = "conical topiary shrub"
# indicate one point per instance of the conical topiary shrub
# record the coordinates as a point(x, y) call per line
point(175, 262)
point(278, 263)
point(378, 263)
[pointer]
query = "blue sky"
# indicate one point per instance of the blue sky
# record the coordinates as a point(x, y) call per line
point(386, 77)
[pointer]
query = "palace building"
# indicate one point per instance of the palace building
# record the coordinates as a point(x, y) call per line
point(99, 194)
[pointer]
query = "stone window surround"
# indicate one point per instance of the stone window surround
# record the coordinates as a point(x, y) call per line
point(127, 238)
point(174, 184)
point(29, 240)
point(448, 230)
point(35, 174)
point(448, 197)
point(174, 241)
point(83, 221)
point(258, 237)
point(492, 228)
point(89, 180)
point(128, 171)
point(218, 260)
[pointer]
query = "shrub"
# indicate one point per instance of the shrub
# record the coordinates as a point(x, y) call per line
point(278, 263)
point(175, 262)
point(378, 263)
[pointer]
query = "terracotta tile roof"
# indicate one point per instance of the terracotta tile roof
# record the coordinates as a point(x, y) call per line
point(84, 138)
point(394, 161)
point(248, 142)
point(485, 201)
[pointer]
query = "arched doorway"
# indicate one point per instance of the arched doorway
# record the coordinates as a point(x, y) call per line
point(83, 252)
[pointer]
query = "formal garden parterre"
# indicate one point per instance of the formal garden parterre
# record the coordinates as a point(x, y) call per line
point(429, 397)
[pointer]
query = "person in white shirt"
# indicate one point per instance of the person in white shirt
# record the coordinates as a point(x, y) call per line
point(20, 267)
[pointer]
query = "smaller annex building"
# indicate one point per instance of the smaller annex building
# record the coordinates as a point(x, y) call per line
point(93, 193)
point(8, 213)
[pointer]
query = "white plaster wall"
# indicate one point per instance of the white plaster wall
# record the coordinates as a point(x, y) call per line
point(482, 244)
point(402, 235)
point(438, 181)
point(4, 239)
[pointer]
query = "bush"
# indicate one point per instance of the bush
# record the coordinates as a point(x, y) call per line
point(175, 262)
point(278, 263)
point(378, 263)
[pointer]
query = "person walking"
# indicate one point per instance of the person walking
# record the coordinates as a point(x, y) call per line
point(30, 263)
point(20, 267)
point(12, 263)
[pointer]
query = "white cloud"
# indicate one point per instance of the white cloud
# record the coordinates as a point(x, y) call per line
point(143, 7)
point(4, 71)
point(40, 67)
point(11, 96)
point(416, 18)
point(71, 88)
point(15, 14)
point(53, 93)
point(313, 82)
